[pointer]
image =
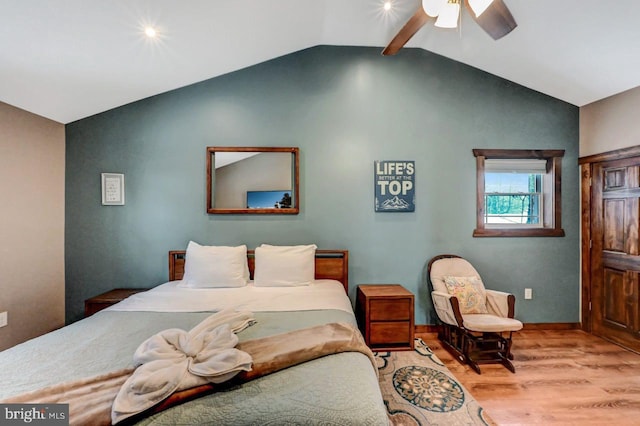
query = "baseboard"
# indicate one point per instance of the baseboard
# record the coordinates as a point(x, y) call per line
point(552, 326)
point(430, 328)
point(426, 328)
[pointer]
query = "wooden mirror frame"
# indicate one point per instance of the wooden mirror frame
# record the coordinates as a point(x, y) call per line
point(295, 180)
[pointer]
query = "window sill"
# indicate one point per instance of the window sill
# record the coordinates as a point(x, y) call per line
point(503, 232)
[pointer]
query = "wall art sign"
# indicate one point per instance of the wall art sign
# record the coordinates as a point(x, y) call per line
point(112, 189)
point(394, 186)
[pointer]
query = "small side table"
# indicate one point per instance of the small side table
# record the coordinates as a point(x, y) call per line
point(385, 314)
point(111, 297)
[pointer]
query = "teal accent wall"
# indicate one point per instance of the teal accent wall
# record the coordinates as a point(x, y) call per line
point(344, 107)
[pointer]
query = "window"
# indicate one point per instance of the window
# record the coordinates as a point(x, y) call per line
point(518, 193)
point(513, 192)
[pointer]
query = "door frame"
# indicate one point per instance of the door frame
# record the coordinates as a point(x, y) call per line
point(586, 172)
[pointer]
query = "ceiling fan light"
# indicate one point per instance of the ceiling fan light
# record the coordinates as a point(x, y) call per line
point(448, 17)
point(150, 32)
point(479, 6)
point(433, 7)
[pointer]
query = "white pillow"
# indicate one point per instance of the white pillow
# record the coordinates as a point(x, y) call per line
point(284, 266)
point(215, 266)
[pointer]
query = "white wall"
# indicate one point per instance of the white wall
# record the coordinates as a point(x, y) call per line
point(32, 170)
point(611, 123)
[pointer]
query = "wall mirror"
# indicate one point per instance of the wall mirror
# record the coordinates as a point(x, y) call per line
point(254, 180)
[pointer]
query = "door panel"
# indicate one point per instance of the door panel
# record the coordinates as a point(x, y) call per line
point(613, 235)
point(615, 264)
point(615, 313)
point(614, 178)
point(631, 229)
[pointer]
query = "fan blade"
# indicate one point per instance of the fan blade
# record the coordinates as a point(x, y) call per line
point(412, 26)
point(497, 20)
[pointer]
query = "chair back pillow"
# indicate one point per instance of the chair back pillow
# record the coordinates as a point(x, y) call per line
point(470, 293)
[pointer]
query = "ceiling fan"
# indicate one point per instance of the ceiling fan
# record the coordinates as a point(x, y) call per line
point(493, 16)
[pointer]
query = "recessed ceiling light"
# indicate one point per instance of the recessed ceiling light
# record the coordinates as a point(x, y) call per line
point(150, 32)
point(387, 5)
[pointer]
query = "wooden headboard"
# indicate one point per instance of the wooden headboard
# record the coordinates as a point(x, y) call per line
point(330, 265)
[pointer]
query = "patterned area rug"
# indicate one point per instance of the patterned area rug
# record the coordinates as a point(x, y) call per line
point(418, 389)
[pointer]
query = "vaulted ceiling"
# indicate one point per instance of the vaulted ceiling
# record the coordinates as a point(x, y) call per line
point(66, 60)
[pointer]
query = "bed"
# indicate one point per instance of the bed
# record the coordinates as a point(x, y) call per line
point(341, 388)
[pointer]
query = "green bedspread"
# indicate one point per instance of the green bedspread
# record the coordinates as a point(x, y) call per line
point(338, 389)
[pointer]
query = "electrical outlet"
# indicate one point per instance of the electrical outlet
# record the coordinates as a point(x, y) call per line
point(3, 319)
point(528, 293)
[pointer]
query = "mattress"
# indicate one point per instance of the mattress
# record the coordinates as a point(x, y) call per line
point(336, 389)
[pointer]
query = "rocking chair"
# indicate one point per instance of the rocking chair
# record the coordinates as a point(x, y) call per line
point(476, 324)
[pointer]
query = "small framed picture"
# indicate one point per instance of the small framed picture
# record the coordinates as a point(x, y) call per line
point(112, 189)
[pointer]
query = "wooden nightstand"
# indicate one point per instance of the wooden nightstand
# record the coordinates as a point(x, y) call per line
point(111, 297)
point(385, 316)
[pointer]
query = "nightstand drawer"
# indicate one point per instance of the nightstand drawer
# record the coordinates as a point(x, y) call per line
point(390, 333)
point(390, 309)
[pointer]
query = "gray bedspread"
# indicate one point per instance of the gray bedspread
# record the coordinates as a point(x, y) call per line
point(340, 389)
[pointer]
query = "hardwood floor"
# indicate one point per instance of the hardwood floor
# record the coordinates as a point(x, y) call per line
point(563, 377)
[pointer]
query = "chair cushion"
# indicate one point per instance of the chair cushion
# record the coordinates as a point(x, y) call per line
point(470, 293)
point(490, 323)
point(455, 267)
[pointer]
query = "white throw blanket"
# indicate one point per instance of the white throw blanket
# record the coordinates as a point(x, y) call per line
point(174, 360)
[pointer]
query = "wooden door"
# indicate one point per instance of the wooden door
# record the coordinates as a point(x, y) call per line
point(615, 254)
